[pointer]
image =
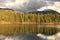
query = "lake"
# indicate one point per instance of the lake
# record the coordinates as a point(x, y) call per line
point(29, 28)
point(43, 31)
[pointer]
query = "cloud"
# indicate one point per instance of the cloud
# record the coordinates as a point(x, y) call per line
point(53, 0)
point(26, 5)
point(30, 5)
point(3, 2)
point(54, 6)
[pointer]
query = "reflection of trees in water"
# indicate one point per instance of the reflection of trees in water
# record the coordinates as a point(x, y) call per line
point(28, 28)
point(49, 30)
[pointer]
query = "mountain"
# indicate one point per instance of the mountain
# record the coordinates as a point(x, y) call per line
point(45, 11)
point(6, 9)
point(49, 11)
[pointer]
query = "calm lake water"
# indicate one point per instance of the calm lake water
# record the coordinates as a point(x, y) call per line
point(29, 28)
point(30, 37)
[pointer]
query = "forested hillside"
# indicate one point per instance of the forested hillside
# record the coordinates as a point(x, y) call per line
point(13, 16)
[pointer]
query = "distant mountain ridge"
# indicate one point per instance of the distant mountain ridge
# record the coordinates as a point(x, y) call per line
point(6, 9)
point(45, 11)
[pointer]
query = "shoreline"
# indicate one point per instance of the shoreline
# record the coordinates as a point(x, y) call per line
point(9, 22)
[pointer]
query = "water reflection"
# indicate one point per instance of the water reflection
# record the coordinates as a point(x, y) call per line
point(22, 37)
point(30, 37)
point(29, 28)
point(42, 28)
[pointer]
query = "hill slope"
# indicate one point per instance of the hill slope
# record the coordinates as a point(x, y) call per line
point(35, 17)
point(12, 17)
point(45, 11)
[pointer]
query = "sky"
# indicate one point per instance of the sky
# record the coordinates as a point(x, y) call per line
point(30, 5)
